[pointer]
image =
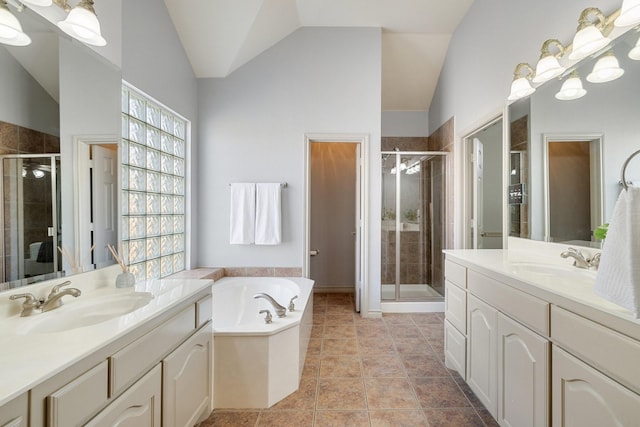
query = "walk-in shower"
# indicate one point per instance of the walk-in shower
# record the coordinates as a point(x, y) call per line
point(413, 225)
point(30, 213)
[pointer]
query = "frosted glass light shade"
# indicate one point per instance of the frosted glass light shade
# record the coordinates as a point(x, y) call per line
point(629, 13)
point(587, 41)
point(43, 3)
point(82, 24)
point(606, 69)
point(520, 88)
point(571, 89)
point(547, 68)
point(10, 29)
point(635, 52)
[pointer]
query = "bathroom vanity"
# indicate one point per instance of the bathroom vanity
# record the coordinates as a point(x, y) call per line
point(150, 366)
point(536, 345)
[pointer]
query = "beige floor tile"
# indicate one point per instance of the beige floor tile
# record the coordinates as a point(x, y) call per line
point(334, 346)
point(432, 331)
point(315, 346)
point(311, 366)
point(423, 365)
point(231, 419)
point(458, 417)
point(337, 319)
point(339, 331)
point(382, 366)
point(376, 345)
point(427, 318)
point(342, 419)
point(341, 394)
point(340, 367)
point(397, 318)
point(405, 331)
point(412, 346)
point(286, 418)
point(317, 331)
point(303, 398)
point(390, 393)
point(439, 392)
point(372, 331)
point(398, 419)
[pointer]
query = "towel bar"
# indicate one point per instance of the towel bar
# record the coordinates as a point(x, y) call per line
point(625, 185)
point(282, 184)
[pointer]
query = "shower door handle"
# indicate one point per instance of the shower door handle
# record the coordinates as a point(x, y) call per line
point(314, 252)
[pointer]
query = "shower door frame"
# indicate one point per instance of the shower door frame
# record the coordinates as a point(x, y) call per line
point(398, 191)
point(54, 157)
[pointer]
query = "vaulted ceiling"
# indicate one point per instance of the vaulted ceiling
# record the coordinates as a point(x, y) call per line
point(220, 36)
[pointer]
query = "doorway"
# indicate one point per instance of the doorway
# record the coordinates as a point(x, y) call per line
point(484, 201)
point(335, 241)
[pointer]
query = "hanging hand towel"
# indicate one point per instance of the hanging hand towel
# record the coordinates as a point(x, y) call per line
point(268, 214)
point(243, 213)
point(618, 278)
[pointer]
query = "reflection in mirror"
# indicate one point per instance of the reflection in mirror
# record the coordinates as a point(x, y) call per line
point(518, 190)
point(53, 91)
point(609, 109)
point(573, 188)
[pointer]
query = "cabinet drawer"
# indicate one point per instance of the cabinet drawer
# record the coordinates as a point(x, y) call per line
point(204, 310)
point(14, 413)
point(455, 349)
point(523, 307)
point(455, 306)
point(613, 353)
point(455, 273)
point(76, 402)
point(139, 356)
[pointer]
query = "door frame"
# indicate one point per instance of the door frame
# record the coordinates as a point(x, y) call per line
point(467, 177)
point(82, 187)
point(362, 208)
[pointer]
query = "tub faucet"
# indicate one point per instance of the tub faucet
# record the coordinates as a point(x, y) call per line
point(54, 300)
point(580, 260)
point(280, 310)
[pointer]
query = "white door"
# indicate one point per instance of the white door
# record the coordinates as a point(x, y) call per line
point(359, 235)
point(478, 190)
point(104, 202)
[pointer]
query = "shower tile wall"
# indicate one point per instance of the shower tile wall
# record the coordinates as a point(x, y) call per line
point(519, 214)
point(16, 139)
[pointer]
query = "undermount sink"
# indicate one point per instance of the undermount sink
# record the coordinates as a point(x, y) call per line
point(87, 312)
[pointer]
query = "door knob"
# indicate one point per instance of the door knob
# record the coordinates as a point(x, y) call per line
point(314, 252)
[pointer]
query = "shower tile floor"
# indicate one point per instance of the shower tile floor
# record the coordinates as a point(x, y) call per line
point(370, 372)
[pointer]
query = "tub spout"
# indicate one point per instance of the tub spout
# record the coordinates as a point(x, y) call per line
point(280, 310)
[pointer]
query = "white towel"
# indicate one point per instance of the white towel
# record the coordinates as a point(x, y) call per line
point(618, 278)
point(243, 213)
point(268, 214)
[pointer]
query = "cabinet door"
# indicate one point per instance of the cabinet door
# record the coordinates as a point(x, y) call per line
point(584, 397)
point(138, 406)
point(523, 376)
point(482, 358)
point(14, 413)
point(188, 380)
point(455, 349)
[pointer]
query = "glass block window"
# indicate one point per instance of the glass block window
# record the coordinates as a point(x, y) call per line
point(153, 187)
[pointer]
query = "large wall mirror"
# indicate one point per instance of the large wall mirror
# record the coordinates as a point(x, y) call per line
point(566, 156)
point(59, 128)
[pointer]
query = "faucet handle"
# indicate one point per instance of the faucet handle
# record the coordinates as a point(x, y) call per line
point(29, 305)
point(57, 287)
point(292, 306)
point(268, 317)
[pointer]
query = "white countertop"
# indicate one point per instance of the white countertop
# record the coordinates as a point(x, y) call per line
point(564, 285)
point(28, 359)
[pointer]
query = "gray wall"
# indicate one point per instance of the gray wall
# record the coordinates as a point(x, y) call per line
point(253, 125)
point(491, 40)
point(154, 61)
point(405, 123)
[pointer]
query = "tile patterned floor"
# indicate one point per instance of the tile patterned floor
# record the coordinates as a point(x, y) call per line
point(370, 372)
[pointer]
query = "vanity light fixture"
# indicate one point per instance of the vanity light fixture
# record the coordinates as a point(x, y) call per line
point(10, 29)
point(635, 52)
point(572, 88)
point(82, 23)
point(548, 66)
point(606, 69)
point(629, 14)
point(43, 3)
point(589, 38)
point(521, 87)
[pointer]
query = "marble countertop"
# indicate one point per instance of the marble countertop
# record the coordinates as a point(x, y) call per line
point(27, 359)
point(552, 279)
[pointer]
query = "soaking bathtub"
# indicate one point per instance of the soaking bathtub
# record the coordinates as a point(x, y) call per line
point(258, 364)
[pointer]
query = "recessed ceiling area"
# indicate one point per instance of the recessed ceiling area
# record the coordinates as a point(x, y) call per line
point(219, 36)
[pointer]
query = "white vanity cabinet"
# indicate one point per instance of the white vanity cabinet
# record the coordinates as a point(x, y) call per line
point(159, 374)
point(455, 325)
point(15, 413)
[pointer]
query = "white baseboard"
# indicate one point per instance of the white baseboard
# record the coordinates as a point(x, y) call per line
point(413, 307)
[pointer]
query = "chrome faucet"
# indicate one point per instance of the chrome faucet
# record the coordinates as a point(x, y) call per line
point(280, 310)
point(579, 260)
point(30, 304)
point(54, 299)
